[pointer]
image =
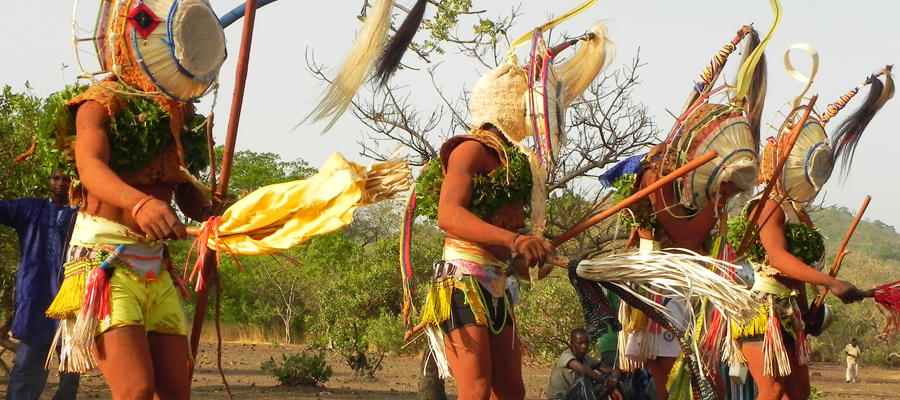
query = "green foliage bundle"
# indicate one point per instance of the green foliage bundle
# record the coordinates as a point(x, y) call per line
point(803, 242)
point(137, 133)
point(299, 369)
point(490, 193)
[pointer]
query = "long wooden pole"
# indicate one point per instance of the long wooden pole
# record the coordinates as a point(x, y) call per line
point(237, 101)
point(836, 266)
point(694, 164)
point(789, 145)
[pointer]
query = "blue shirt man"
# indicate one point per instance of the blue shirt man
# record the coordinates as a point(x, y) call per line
point(43, 227)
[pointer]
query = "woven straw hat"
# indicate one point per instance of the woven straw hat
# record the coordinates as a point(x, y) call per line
point(498, 98)
point(723, 129)
point(808, 166)
point(178, 45)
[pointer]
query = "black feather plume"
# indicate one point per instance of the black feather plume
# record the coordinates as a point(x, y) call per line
point(390, 59)
point(847, 135)
point(756, 95)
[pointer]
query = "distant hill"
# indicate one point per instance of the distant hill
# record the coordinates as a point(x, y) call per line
point(875, 238)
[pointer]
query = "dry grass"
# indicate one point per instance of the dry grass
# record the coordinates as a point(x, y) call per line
point(236, 333)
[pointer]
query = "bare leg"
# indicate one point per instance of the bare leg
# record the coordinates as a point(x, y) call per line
point(506, 366)
point(171, 365)
point(660, 368)
point(770, 387)
point(123, 356)
point(469, 354)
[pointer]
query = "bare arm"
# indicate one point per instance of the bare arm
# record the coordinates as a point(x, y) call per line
point(686, 231)
point(156, 219)
point(469, 159)
point(193, 202)
point(773, 240)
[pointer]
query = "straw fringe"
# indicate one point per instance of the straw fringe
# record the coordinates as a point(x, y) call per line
point(775, 362)
point(625, 364)
point(681, 274)
point(386, 180)
point(438, 351)
point(356, 68)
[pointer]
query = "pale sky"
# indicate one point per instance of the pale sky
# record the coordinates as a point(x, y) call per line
point(676, 40)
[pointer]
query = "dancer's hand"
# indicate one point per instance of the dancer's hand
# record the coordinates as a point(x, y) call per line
point(535, 250)
point(846, 291)
point(158, 221)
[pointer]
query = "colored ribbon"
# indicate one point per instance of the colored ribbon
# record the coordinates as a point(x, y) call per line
point(814, 56)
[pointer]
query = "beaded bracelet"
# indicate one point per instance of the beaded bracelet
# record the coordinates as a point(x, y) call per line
point(138, 205)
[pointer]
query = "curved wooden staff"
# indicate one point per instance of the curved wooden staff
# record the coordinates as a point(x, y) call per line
point(757, 211)
point(240, 82)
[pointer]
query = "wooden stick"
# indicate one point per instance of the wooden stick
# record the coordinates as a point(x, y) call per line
point(836, 266)
point(694, 164)
point(240, 82)
point(776, 175)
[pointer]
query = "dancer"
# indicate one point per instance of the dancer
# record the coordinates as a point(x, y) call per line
point(788, 252)
point(683, 216)
point(477, 192)
point(136, 140)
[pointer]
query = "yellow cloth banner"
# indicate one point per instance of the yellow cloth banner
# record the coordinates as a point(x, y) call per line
point(280, 216)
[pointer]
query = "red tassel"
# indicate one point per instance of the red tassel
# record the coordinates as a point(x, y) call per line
point(96, 295)
point(888, 297)
point(209, 228)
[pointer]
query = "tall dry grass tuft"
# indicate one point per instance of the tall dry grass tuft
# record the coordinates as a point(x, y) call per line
point(238, 333)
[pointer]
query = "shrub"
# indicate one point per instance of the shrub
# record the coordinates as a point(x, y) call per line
point(299, 369)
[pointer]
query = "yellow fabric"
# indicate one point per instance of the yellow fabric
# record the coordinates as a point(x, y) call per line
point(280, 216)
point(134, 301)
point(769, 285)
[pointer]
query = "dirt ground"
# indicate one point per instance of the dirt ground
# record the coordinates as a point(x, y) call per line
point(399, 377)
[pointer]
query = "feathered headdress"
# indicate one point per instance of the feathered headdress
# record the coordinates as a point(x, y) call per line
point(811, 161)
point(731, 129)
